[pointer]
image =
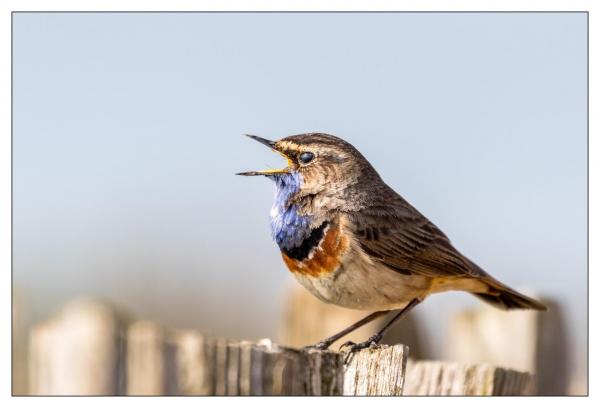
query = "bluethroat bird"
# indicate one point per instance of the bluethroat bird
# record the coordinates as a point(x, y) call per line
point(351, 240)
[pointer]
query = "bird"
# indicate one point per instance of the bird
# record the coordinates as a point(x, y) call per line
point(352, 241)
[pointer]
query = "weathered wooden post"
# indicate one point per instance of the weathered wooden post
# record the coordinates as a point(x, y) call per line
point(193, 376)
point(526, 341)
point(442, 378)
point(145, 355)
point(379, 371)
point(268, 369)
point(19, 344)
point(221, 367)
point(81, 352)
point(77, 352)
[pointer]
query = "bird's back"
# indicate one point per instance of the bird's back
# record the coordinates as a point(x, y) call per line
point(393, 233)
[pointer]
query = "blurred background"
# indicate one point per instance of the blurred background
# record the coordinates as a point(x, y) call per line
point(128, 131)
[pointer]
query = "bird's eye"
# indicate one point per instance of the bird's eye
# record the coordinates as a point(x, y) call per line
point(305, 157)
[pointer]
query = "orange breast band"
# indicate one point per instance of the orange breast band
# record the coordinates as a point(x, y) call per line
point(325, 258)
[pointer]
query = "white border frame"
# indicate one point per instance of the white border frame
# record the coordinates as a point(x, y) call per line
point(7, 6)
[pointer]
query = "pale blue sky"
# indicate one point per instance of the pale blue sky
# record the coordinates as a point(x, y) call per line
point(127, 135)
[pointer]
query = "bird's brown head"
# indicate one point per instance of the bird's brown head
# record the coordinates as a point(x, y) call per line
point(324, 175)
point(323, 171)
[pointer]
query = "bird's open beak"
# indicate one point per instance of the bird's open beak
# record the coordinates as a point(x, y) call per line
point(262, 140)
point(271, 145)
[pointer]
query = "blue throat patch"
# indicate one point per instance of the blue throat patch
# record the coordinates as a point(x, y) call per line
point(289, 229)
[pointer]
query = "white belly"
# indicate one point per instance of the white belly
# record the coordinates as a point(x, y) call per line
point(361, 284)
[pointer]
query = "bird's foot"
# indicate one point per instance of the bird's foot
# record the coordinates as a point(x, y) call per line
point(372, 341)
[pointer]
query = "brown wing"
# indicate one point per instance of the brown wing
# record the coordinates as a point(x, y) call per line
point(401, 238)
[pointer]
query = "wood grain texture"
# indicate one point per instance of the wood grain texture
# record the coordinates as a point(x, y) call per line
point(209, 366)
point(377, 371)
point(243, 368)
point(441, 378)
point(81, 352)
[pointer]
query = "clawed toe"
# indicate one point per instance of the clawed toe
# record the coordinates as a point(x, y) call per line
point(349, 343)
point(354, 347)
point(362, 346)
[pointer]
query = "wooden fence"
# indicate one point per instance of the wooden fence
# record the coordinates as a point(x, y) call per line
point(88, 350)
point(524, 341)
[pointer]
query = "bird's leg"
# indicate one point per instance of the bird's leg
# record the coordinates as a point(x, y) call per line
point(376, 338)
point(324, 344)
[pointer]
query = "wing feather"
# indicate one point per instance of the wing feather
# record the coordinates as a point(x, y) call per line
point(399, 237)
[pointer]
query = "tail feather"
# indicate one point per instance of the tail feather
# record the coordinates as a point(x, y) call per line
point(503, 297)
point(507, 299)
